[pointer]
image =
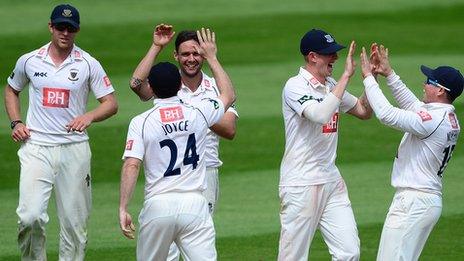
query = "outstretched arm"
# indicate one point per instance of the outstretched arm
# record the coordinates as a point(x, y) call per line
point(405, 98)
point(323, 111)
point(162, 35)
point(208, 49)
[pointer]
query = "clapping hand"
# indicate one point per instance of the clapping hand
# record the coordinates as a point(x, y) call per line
point(163, 35)
point(207, 41)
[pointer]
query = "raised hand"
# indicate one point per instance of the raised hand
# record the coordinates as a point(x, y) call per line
point(374, 57)
point(350, 64)
point(384, 67)
point(207, 41)
point(366, 66)
point(163, 34)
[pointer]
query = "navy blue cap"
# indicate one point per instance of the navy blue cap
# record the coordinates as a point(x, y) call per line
point(164, 79)
point(446, 76)
point(65, 14)
point(320, 42)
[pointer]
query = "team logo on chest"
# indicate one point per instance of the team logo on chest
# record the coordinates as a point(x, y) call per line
point(73, 75)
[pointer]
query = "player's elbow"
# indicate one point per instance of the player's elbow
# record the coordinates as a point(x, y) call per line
point(114, 108)
point(366, 115)
point(229, 134)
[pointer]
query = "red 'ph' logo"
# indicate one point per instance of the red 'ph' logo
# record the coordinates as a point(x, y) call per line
point(107, 81)
point(454, 122)
point(171, 114)
point(129, 144)
point(425, 116)
point(54, 97)
point(332, 125)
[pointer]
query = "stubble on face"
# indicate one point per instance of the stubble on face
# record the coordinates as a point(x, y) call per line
point(190, 61)
point(63, 40)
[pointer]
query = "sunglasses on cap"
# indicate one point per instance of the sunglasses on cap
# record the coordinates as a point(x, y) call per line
point(436, 84)
point(65, 26)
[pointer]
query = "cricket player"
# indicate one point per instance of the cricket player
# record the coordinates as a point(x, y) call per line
point(170, 139)
point(431, 131)
point(312, 192)
point(54, 151)
point(196, 86)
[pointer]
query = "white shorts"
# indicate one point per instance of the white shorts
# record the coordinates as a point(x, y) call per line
point(307, 208)
point(182, 218)
point(410, 219)
point(65, 168)
point(212, 190)
point(211, 194)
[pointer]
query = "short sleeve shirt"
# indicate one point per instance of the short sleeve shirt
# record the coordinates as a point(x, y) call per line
point(57, 95)
point(170, 139)
point(207, 89)
point(310, 147)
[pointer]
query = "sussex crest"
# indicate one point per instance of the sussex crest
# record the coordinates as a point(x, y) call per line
point(66, 13)
point(329, 38)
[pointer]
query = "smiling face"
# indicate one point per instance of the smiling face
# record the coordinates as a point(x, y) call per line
point(321, 65)
point(190, 61)
point(63, 36)
point(324, 64)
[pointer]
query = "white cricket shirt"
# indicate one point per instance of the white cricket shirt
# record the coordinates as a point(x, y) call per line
point(207, 89)
point(310, 147)
point(170, 139)
point(431, 132)
point(57, 95)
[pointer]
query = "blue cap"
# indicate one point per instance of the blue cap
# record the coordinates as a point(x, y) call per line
point(65, 14)
point(446, 76)
point(320, 42)
point(164, 79)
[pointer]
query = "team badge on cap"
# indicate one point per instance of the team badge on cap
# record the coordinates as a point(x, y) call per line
point(66, 13)
point(329, 38)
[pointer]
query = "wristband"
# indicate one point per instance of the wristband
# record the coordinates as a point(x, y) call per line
point(14, 123)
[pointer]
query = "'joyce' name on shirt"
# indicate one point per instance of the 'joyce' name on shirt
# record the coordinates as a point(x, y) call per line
point(172, 119)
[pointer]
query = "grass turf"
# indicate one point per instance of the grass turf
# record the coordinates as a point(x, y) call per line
point(258, 45)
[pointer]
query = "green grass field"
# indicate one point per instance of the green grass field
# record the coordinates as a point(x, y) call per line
point(258, 44)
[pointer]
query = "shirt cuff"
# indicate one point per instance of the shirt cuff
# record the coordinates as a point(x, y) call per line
point(392, 78)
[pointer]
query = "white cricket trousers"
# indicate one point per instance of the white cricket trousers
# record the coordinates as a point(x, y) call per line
point(410, 219)
point(211, 194)
point(307, 208)
point(182, 218)
point(67, 169)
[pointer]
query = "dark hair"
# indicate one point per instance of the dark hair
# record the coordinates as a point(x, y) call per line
point(185, 36)
point(164, 80)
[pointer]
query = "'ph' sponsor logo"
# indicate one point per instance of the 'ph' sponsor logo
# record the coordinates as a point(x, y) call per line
point(332, 125)
point(171, 114)
point(54, 97)
point(40, 74)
